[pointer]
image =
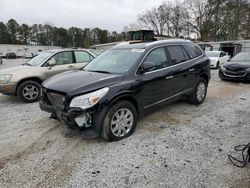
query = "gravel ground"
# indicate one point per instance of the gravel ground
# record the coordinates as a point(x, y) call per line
point(180, 145)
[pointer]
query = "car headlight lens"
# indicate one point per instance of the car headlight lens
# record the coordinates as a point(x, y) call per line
point(222, 68)
point(5, 78)
point(89, 100)
point(248, 70)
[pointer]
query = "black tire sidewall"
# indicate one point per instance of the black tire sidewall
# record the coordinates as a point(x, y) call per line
point(106, 128)
point(24, 84)
point(218, 65)
point(193, 98)
point(196, 100)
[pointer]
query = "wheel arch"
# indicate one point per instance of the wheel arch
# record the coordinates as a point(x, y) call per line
point(205, 76)
point(36, 79)
point(130, 98)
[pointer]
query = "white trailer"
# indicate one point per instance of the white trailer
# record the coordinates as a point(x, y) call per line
point(24, 50)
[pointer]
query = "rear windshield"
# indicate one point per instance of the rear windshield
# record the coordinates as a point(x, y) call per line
point(212, 54)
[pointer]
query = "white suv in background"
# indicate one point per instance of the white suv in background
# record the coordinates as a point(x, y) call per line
point(217, 58)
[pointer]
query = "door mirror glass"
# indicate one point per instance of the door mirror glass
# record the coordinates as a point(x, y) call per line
point(52, 62)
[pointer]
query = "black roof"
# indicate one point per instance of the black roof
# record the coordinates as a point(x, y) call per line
point(147, 45)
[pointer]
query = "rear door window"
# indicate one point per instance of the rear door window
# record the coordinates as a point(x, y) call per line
point(82, 56)
point(193, 50)
point(176, 54)
point(63, 58)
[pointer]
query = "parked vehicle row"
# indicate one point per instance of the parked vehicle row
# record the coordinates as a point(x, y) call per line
point(107, 92)
point(113, 91)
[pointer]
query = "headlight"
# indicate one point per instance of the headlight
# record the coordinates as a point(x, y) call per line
point(5, 78)
point(248, 70)
point(222, 68)
point(89, 100)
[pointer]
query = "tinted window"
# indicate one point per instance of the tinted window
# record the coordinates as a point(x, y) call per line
point(63, 58)
point(193, 50)
point(82, 56)
point(176, 54)
point(158, 58)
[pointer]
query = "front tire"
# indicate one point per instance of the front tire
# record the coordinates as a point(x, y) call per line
point(120, 121)
point(199, 95)
point(29, 91)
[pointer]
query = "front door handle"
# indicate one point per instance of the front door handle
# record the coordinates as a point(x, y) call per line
point(169, 77)
point(71, 66)
point(191, 70)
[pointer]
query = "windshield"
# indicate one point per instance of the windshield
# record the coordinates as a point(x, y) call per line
point(115, 61)
point(212, 54)
point(243, 56)
point(37, 60)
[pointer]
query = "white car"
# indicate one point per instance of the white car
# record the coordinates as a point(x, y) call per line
point(217, 58)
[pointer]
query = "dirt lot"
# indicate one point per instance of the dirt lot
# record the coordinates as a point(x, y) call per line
point(180, 145)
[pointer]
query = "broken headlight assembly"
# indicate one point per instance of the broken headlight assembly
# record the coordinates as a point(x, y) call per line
point(5, 78)
point(88, 100)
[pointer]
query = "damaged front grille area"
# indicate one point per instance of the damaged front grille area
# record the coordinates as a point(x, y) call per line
point(57, 100)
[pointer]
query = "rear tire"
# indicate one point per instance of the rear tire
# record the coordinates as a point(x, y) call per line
point(29, 91)
point(120, 121)
point(217, 65)
point(200, 92)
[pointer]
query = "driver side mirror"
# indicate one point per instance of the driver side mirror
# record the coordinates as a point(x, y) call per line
point(146, 66)
point(52, 62)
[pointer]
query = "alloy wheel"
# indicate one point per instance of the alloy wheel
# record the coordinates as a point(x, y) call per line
point(30, 92)
point(201, 91)
point(122, 122)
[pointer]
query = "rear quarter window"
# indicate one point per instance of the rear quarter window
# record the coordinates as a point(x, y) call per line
point(193, 50)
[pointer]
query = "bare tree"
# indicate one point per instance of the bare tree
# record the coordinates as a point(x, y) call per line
point(198, 16)
point(153, 19)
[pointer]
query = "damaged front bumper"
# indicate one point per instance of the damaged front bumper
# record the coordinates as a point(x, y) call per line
point(72, 117)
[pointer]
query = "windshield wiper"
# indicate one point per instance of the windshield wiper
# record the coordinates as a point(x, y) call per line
point(99, 71)
point(27, 64)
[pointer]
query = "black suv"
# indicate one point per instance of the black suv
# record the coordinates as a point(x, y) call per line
point(108, 95)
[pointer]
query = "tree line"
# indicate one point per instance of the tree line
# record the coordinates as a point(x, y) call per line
point(47, 34)
point(202, 19)
point(212, 20)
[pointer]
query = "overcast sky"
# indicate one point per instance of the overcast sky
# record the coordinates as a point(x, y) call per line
point(106, 14)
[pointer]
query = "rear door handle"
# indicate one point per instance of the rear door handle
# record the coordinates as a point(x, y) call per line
point(169, 77)
point(71, 66)
point(191, 70)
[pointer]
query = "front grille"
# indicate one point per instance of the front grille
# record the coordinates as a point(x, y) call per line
point(235, 69)
point(235, 73)
point(57, 100)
